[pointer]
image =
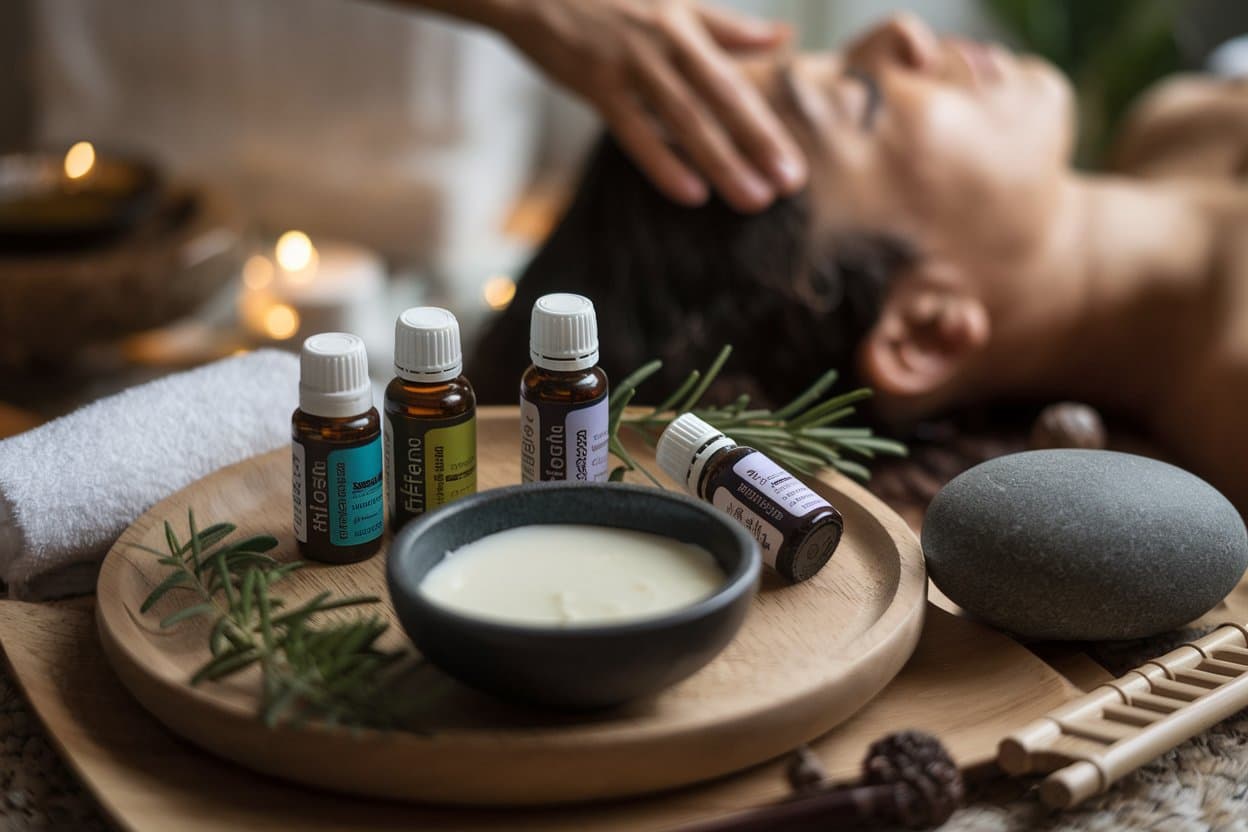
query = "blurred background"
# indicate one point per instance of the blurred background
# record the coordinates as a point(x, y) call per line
point(220, 176)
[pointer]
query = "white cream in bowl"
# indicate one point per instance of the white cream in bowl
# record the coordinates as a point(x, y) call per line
point(568, 575)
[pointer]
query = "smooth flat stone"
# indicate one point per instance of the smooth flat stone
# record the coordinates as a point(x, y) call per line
point(1083, 545)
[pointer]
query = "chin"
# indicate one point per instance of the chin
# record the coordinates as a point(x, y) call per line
point(1043, 106)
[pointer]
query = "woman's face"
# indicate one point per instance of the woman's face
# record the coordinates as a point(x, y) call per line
point(951, 143)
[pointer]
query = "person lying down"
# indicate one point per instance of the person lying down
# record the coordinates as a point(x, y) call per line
point(945, 251)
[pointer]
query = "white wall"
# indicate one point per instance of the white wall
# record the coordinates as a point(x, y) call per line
point(349, 119)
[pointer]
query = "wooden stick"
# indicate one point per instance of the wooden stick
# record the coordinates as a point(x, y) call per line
point(1104, 735)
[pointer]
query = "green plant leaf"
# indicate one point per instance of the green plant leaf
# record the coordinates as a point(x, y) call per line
point(185, 613)
point(179, 578)
point(704, 384)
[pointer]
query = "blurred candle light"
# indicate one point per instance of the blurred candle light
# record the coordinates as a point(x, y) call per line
point(281, 322)
point(499, 291)
point(296, 289)
point(297, 256)
point(79, 160)
point(257, 272)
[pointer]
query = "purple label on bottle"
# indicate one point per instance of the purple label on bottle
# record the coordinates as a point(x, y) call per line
point(562, 443)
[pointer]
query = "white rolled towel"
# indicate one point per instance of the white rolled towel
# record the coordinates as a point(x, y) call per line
point(69, 488)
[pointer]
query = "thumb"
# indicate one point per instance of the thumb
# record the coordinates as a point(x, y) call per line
point(736, 31)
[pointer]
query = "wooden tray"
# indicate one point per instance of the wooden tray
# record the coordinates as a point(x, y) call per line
point(808, 657)
point(965, 682)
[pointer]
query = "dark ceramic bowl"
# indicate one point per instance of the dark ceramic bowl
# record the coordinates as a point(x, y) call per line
point(41, 212)
point(574, 667)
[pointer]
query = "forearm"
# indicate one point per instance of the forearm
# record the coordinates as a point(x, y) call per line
point(493, 14)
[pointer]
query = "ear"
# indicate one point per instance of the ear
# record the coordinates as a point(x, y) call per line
point(929, 330)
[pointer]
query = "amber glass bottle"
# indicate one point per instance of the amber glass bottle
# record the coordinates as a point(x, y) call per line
point(336, 453)
point(431, 424)
point(563, 395)
point(796, 529)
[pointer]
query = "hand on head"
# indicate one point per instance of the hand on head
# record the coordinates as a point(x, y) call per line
point(663, 76)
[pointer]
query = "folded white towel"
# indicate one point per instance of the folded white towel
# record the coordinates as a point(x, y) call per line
point(69, 488)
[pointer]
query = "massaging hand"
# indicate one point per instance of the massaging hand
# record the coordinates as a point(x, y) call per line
point(663, 69)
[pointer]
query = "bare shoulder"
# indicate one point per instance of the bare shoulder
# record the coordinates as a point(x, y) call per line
point(1189, 125)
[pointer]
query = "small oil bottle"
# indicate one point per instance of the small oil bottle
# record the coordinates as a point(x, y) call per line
point(796, 529)
point(563, 395)
point(339, 508)
point(431, 417)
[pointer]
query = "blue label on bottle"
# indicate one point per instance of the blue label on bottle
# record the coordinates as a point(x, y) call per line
point(356, 507)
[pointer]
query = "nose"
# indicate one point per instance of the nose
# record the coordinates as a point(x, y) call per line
point(901, 40)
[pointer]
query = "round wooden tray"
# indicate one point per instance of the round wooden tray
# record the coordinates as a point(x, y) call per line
point(808, 656)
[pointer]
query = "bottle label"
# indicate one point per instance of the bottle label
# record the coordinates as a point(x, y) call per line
point(779, 485)
point(766, 499)
point(298, 490)
point(338, 493)
point(429, 462)
point(768, 536)
point(562, 443)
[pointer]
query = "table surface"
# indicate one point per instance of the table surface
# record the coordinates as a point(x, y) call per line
point(37, 791)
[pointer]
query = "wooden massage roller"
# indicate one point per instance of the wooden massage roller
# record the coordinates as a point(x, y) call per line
point(1095, 740)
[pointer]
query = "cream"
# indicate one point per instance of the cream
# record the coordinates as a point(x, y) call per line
point(571, 574)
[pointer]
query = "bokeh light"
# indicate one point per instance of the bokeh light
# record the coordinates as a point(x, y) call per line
point(79, 160)
point(257, 272)
point(281, 322)
point(499, 291)
point(295, 251)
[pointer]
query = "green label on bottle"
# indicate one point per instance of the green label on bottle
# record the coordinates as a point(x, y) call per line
point(428, 463)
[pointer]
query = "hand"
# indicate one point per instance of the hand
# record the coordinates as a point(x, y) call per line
point(660, 70)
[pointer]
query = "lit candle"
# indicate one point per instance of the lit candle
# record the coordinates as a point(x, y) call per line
point(309, 288)
point(54, 201)
point(79, 160)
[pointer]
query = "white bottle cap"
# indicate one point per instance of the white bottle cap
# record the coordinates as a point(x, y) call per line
point(685, 446)
point(426, 345)
point(333, 376)
point(563, 333)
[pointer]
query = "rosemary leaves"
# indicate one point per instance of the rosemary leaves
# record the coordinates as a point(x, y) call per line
point(804, 435)
point(310, 667)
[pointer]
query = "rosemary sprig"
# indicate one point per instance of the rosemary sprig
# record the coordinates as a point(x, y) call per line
point(311, 667)
point(804, 435)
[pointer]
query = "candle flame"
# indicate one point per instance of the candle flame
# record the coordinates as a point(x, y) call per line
point(79, 160)
point(499, 291)
point(257, 272)
point(281, 322)
point(295, 253)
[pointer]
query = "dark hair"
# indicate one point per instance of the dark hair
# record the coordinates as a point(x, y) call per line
point(678, 283)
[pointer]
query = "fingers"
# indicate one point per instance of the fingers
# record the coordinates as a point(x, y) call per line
point(741, 109)
point(737, 31)
point(699, 134)
point(641, 139)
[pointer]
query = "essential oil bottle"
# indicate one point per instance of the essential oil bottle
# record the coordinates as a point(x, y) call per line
point(336, 470)
point(796, 529)
point(431, 417)
point(563, 395)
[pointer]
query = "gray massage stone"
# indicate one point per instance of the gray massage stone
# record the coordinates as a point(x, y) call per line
point(1083, 545)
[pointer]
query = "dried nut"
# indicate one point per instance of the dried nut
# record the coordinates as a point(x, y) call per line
point(1068, 425)
point(909, 778)
point(804, 770)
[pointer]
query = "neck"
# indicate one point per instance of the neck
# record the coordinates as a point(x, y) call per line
point(1099, 309)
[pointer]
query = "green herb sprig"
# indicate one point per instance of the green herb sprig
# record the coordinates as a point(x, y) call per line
point(311, 666)
point(804, 435)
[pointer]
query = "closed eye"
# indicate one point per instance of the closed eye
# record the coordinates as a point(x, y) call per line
point(807, 104)
point(875, 97)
